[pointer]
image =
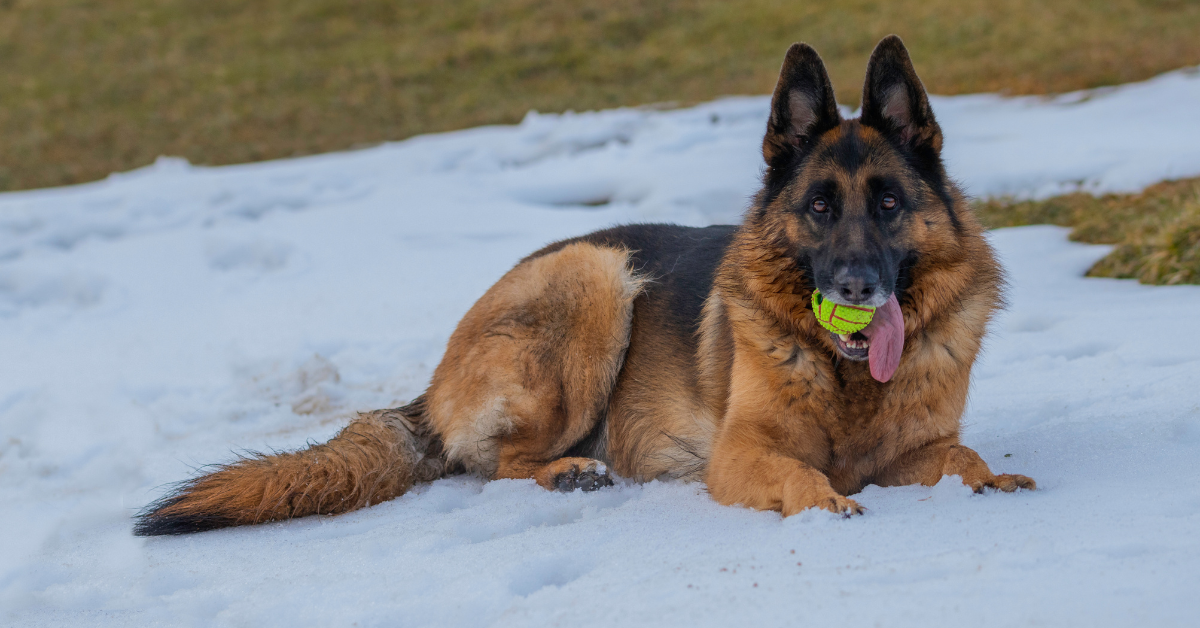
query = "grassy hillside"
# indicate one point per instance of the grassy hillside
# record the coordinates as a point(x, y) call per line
point(88, 87)
point(1156, 232)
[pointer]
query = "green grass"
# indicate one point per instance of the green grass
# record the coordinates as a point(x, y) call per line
point(1156, 232)
point(89, 87)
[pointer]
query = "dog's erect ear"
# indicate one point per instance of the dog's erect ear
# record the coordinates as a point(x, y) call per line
point(894, 100)
point(803, 105)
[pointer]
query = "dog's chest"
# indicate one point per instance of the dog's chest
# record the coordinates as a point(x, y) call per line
point(844, 422)
point(867, 433)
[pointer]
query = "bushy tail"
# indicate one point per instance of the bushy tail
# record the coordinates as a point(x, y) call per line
point(377, 456)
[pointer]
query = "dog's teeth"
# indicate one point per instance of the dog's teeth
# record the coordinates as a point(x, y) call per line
point(845, 337)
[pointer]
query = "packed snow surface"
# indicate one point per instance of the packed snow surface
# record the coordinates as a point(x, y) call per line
point(165, 318)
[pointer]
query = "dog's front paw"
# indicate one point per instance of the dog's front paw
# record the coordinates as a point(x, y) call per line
point(1010, 482)
point(843, 506)
point(836, 504)
point(1007, 482)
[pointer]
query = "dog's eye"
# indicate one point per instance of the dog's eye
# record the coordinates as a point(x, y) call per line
point(819, 205)
point(888, 202)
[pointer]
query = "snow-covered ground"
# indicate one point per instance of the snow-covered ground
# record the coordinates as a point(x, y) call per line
point(165, 317)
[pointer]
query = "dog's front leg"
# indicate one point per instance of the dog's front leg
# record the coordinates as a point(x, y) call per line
point(748, 471)
point(928, 464)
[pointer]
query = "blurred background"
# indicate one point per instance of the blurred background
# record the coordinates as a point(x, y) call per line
point(92, 87)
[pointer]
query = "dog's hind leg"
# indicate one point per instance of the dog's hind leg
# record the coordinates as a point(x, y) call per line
point(526, 377)
point(528, 372)
point(564, 474)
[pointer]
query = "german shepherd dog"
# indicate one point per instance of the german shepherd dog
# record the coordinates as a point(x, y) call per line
point(659, 351)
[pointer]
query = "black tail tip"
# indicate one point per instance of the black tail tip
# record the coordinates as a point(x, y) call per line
point(156, 520)
point(153, 524)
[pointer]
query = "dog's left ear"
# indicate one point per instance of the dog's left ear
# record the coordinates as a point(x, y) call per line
point(894, 100)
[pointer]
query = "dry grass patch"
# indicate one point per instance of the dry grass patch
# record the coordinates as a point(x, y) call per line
point(1156, 232)
point(90, 87)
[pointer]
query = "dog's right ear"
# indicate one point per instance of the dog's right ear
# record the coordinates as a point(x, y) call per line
point(803, 106)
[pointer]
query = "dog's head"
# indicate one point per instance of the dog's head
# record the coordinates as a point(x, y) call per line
point(857, 202)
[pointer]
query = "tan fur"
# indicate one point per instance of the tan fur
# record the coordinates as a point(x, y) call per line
point(528, 370)
point(658, 426)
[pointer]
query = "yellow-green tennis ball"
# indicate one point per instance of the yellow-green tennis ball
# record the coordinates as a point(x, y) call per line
point(840, 319)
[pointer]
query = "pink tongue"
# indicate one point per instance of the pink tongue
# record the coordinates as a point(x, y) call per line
point(886, 333)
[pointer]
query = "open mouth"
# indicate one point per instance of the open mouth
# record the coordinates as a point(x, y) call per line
point(853, 346)
point(881, 342)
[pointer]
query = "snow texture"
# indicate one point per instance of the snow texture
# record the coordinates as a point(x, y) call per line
point(167, 317)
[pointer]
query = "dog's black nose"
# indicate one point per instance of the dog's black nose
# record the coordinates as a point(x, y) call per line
point(856, 283)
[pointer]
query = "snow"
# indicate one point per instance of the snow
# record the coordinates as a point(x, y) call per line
point(162, 318)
